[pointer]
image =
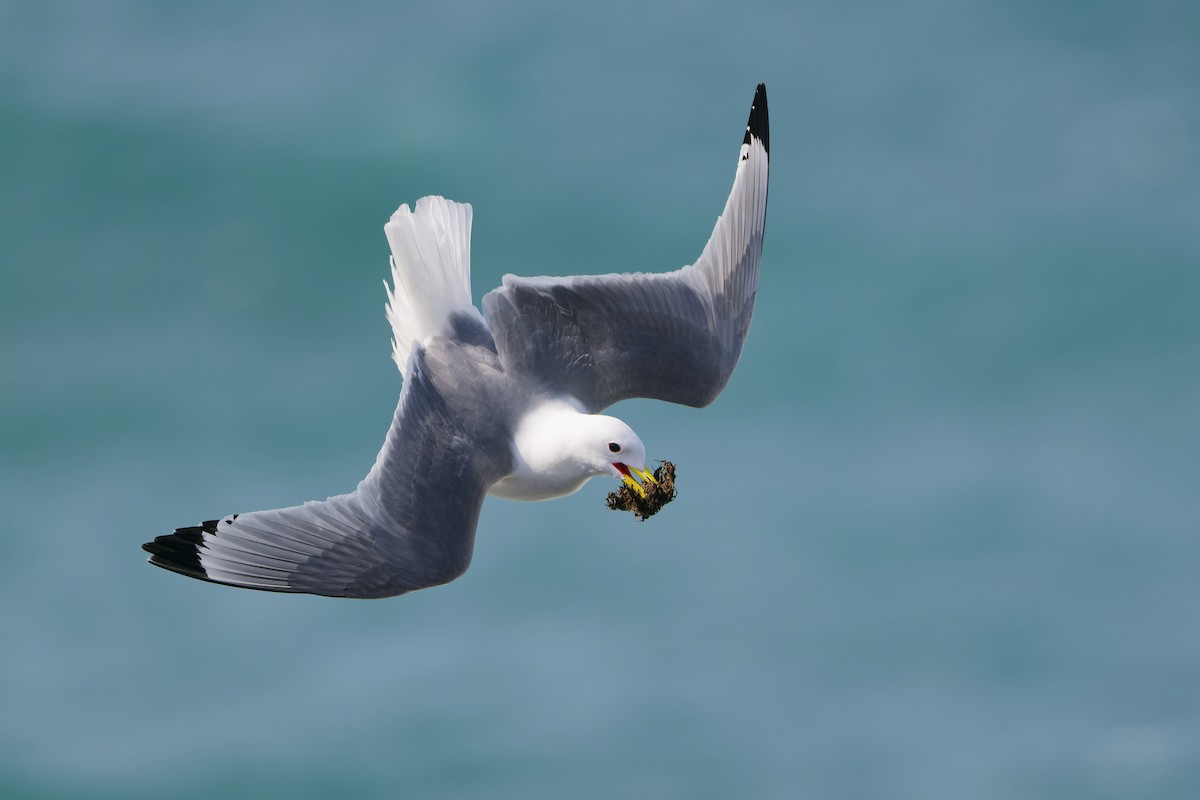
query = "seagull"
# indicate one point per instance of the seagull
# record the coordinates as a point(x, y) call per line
point(504, 402)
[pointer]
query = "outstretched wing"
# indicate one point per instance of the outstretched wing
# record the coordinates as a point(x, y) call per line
point(672, 336)
point(410, 523)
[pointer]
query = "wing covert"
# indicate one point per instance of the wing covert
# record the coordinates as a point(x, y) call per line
point(673, 336)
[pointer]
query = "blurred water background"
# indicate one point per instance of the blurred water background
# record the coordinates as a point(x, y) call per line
point(966, 423)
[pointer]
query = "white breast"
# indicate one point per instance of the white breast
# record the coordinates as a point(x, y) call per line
point(533, 486)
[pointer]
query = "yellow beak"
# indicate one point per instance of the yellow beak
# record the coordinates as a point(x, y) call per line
point(644, 474)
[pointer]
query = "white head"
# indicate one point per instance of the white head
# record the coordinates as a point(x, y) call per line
point(612, 448)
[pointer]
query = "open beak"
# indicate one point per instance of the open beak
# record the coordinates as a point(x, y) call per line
point(628, 473)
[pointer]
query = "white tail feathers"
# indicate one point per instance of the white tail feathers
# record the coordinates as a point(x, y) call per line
point(431, 271)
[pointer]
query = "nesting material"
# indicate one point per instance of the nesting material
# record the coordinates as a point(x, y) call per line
point(657, 494)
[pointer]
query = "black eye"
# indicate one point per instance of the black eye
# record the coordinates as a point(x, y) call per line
point(614, 447)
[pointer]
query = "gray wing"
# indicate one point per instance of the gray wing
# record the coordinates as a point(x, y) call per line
point(670, 336)
point(409, 524)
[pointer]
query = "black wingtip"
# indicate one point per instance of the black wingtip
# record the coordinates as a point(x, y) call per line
point(179, 551)
point(757, 127)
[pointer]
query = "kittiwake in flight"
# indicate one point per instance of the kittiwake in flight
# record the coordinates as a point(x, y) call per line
point(504, 402)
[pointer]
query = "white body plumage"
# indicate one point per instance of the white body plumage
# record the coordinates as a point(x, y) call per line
point(557, 448)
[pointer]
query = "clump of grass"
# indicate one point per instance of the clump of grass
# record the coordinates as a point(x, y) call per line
point(657, 494)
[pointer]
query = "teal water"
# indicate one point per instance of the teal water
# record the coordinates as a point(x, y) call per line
point(966, 420)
